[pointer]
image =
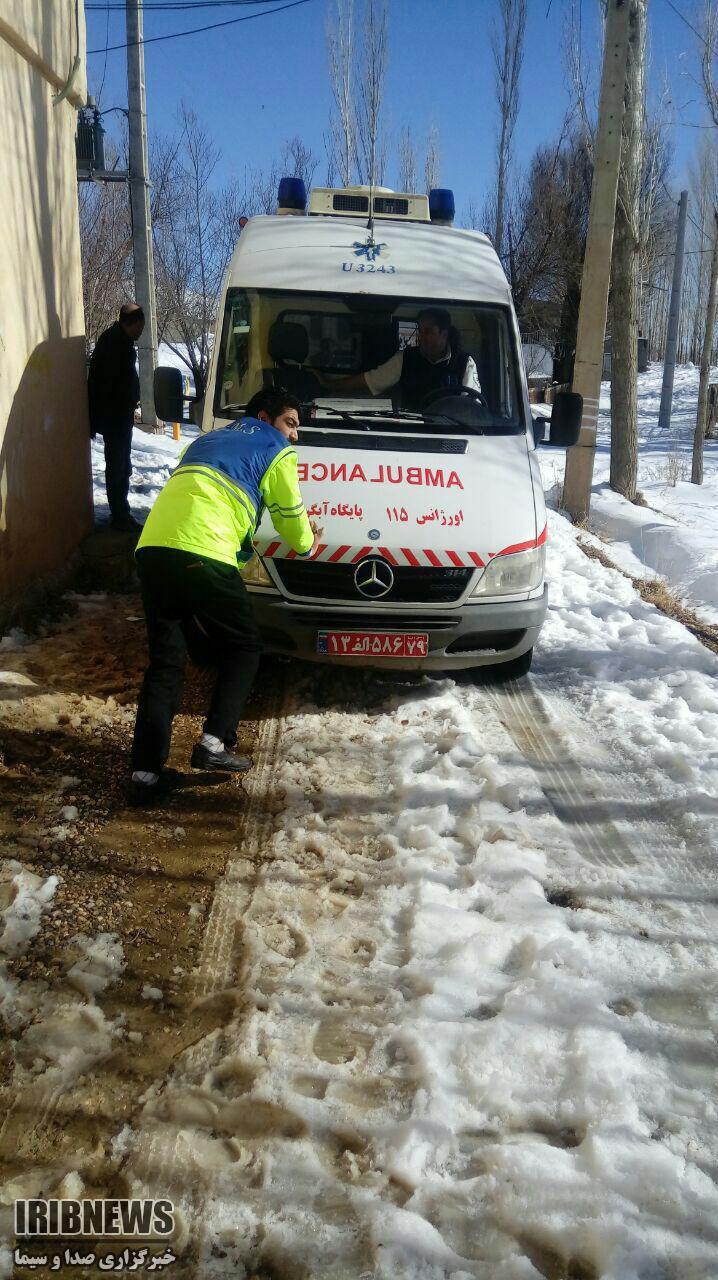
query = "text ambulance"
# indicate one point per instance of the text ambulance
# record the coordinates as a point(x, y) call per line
point(433, 516)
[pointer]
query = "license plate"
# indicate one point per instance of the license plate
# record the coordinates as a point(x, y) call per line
point(373, 644)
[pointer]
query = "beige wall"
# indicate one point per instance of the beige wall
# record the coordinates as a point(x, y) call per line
point(45, 484)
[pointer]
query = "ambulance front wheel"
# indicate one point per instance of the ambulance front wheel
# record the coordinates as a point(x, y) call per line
point(512, 670)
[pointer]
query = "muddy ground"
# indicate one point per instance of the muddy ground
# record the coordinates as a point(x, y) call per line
point(146, 876)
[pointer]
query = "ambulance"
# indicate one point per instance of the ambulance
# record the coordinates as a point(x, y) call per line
point(434, 524)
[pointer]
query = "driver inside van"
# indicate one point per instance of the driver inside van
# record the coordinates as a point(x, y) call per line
point(434, 364)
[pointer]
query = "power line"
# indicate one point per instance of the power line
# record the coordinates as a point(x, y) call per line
point(697, 225)
point(683, 18)
point(174, 5)
point(104, 66)
point(176, 35)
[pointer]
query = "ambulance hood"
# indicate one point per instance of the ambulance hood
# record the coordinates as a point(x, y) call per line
point(437, 501)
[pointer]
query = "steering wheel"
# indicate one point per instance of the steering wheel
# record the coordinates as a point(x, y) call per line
point(441, 393)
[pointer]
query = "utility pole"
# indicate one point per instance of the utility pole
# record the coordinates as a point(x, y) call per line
point(674, 315)
point(597, 261)
point(140, 205)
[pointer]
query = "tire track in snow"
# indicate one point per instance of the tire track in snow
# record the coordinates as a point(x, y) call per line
point(591, 793)
point(417, 1056)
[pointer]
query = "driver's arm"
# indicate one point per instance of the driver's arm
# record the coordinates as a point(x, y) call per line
point(374, 380)
point(471, 375)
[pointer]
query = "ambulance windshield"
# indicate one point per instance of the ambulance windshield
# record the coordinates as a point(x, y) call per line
point(344, 349)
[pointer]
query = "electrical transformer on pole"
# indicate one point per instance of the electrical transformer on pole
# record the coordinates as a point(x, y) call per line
point(597, 261)
point(140, 205)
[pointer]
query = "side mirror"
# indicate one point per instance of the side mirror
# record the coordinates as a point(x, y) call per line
point(566, 418)
point(169, 394)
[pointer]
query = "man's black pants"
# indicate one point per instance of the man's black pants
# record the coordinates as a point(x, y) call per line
point(118, 466)
point(187, 598)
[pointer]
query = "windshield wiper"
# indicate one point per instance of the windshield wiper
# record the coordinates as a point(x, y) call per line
point(349, 415)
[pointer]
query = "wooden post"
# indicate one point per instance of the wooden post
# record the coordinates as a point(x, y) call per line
point(175, 430)
point(597, 261)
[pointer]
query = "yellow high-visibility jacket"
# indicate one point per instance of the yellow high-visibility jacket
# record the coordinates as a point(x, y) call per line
point(213, 501)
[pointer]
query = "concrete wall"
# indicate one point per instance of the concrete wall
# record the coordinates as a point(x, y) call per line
point(45, 480)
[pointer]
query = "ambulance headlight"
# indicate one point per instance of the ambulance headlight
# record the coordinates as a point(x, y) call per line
point(254, 573)
point(510, 575)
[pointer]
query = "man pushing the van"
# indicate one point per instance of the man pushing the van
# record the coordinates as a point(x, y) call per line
point(196, 536)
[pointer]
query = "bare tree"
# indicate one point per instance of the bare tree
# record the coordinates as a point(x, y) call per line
point(298, 161)
point(408, 175)
point(625, 268)
point(709, 57)
point(195, 229)
point(432, 159)
point(342, 140)
point(375, 53)
point(106, 248)
point(507, 44)
point(356, 143)
point(701, 415)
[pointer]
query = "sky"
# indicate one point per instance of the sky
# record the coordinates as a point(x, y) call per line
point(257, 83)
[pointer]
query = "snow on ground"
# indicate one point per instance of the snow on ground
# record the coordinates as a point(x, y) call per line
point(476, 1030)
point(153, 459)
point(676, 536)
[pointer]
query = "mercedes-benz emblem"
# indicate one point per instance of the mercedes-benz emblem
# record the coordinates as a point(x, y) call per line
point(373, 578)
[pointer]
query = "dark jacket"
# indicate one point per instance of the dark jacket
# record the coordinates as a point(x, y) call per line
point(419, 376)
point(113, 386)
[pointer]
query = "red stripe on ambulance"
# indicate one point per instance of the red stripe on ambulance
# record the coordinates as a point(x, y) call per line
point(338, 554)
point(409, 555)
point(433, 559)
point(522, 546)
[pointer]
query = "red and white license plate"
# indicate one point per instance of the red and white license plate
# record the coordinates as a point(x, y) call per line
point(373, 644)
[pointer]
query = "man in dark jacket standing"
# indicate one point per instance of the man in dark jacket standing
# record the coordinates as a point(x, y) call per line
point(114, 391)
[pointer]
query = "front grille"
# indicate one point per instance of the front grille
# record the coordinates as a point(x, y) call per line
point(377, 620)
point(326, 581)
point(351, 204)
point(385, 444)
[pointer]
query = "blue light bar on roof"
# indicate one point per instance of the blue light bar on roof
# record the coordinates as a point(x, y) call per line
point(441, 206)
point(292, 195)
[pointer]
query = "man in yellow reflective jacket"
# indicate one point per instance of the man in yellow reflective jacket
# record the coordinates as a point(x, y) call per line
point(197, 535)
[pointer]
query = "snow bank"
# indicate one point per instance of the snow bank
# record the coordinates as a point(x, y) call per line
point(642, 538)
point(676, 535)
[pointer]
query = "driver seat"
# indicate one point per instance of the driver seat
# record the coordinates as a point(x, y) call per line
point(288, 347)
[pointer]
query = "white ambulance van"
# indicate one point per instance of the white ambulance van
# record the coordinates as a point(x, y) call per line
point(434, 524)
